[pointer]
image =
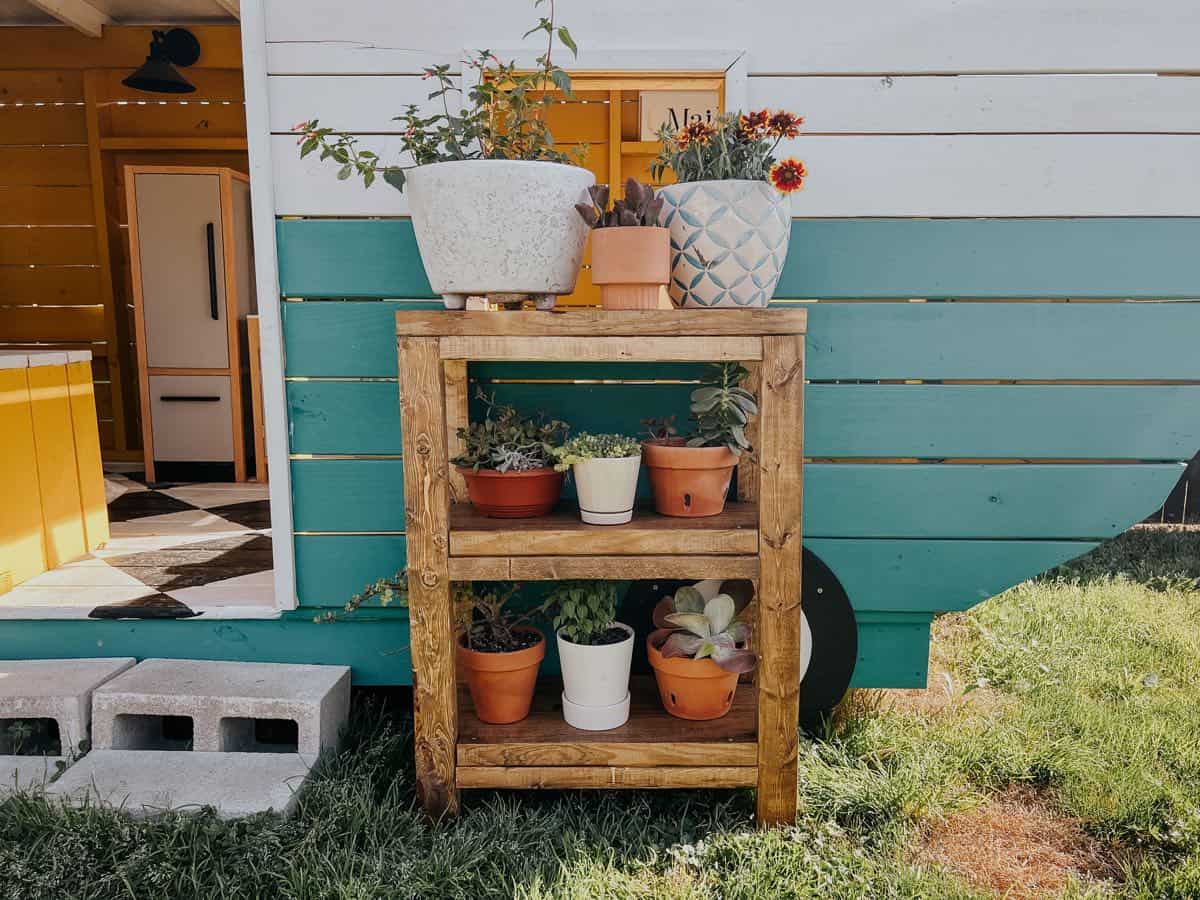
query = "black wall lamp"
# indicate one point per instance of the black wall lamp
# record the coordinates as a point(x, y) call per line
point(168, 49)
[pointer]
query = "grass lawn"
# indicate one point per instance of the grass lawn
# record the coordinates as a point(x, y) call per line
point(1057, 753)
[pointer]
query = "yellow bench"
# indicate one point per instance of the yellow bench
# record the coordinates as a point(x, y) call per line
point(52, 503)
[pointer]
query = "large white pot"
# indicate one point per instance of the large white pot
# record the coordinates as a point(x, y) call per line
point(596, 682)
point(606, 489)
point(728, 241)
point(499, 226)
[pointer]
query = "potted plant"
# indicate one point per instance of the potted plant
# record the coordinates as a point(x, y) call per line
point(491, 199)
point(596, 652)
point(631, 258)
point(729, 212)
point(691, 476)
point(508, 462)
point(605, 467)
point(698, 651)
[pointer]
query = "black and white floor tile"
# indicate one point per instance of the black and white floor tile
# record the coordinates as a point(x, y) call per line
point(175, 551)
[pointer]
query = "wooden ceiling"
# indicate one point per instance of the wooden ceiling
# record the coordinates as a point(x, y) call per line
point(90, 16)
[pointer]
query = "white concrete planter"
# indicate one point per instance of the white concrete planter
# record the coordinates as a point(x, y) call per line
point(596, 682)
point(606, 489)
point(499, 226)
point(728, 241)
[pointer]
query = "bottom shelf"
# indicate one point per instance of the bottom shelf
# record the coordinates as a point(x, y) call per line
point(652, 749)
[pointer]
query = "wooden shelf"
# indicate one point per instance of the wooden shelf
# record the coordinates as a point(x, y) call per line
point(651, 738)
point(562, 533)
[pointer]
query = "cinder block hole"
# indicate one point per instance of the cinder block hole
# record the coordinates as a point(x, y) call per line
point(245, 735)
point(132, 732)
point(30, 737)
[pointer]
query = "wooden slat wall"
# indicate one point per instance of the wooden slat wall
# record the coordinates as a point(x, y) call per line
point(64, 282)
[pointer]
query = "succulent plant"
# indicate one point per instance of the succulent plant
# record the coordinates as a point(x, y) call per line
point(640, 207)
point(586, 446)
point(722, 409)
point(708, 627)
point(508, 441)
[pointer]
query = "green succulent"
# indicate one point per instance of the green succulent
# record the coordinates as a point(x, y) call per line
point(586, 446)
point(722, 409)
point(710, 629)
point(507, 441)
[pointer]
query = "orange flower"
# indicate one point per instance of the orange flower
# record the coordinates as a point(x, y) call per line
point(753, 125)
point(788, 175)
point(698, 132)
point(784, 124)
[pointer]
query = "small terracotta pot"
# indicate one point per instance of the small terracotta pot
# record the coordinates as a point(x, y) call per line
point(513, 495)
point(502, 684)
point(688, 481)
point(631, 263)
point(696, 689)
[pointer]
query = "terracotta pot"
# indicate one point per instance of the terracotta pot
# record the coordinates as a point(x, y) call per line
point(502, 684)
point(688, 481)
point(630, 264)
point(513, 495)
point(696, 689)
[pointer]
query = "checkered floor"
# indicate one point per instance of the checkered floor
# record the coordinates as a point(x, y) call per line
point(175, 550)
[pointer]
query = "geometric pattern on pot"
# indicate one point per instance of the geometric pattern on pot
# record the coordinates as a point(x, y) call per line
point(729, 240)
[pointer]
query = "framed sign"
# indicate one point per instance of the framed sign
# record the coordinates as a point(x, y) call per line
point(675, 109)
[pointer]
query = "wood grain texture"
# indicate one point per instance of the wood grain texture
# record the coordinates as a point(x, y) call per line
point(598, 323)
point(426, 502)
point(556, 568)
point(566, 777)
point(777, 637)
point(458, 396)
point(562, 533)
point(602, 349)
point(665, 753)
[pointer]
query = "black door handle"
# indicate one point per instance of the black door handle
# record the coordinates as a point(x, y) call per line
point(212, 271)
point(183, 398)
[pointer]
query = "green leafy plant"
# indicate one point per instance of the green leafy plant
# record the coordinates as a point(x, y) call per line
point(586, 446)
point(721, 409)
point(503, 117)
point(507, 441)
point(732, 146)
point(712, 629)
point(640, 208)
point(584, 610)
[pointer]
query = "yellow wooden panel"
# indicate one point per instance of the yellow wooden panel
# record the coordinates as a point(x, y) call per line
point(44, 166)
point(22, 551)
point(46, 324)
point(50, 285)
point(42, 125)
point(48, 246)
point(32, 85)
point(175, 119)
point(211, 84)
point(579, 120)
point(45, 205)
point(87, 454)
point(121, 47)
point(58, 477)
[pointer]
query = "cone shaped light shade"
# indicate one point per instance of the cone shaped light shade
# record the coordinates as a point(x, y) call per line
point(158, 74)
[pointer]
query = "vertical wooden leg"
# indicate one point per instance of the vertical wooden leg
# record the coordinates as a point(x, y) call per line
point(781, 457)
point(457, 416)
point(427, 514)
point(747, 470)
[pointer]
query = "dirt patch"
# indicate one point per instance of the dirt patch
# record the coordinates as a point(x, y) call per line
point(1016, 845)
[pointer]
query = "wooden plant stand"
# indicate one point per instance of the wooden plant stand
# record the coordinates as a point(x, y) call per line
point(757, 538)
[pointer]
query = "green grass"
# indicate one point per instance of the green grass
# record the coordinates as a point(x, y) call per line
point(1083, 683)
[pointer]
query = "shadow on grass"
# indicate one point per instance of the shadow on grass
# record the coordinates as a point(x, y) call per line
point(1159, 557)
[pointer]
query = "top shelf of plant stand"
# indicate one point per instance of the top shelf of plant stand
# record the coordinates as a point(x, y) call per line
point(599, 323)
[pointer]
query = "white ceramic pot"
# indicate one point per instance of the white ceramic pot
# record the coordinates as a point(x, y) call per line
point(596, 682)
point(728, 241)
point(606, 489)
point(499, 226)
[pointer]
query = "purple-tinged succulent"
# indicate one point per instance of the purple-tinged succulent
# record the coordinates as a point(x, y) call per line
point(708, 628)
point(640, 208)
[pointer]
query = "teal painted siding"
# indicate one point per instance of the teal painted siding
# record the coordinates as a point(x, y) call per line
point(893, 650)
point(334, 567)
point(828, 258)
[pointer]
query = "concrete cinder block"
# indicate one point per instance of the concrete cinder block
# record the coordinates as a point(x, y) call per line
point(144, 783)
point(58, 689)
point(27, 773)
point(222, 700)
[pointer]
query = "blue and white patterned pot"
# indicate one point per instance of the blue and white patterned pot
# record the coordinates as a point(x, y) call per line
point(728, 241)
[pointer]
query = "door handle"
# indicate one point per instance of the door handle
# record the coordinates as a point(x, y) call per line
point(183, 398)
point(212, 271)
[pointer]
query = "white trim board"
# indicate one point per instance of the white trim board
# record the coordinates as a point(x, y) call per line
point(266, 273)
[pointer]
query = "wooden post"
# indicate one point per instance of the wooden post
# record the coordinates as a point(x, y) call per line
point(458, 415)
point(427, 516)
point(778, 634)
point(747, 470)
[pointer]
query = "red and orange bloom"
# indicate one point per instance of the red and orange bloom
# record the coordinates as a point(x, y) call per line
point(783, 124)
point(753, 125)
point(788, 175)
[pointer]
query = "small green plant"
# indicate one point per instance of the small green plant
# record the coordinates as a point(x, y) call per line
point(586, 446)
point(732, 147)
point(504, 117)
point(707, 630)
point(640, 208)
point(507, 441)
point(585, 611)
point(721, 409)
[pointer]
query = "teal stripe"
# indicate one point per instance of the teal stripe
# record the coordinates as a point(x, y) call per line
point(845, 341)
point(829, 258)
point(1071, 502)
point(1151, 422)
point(332, 568)
point(893, 650)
